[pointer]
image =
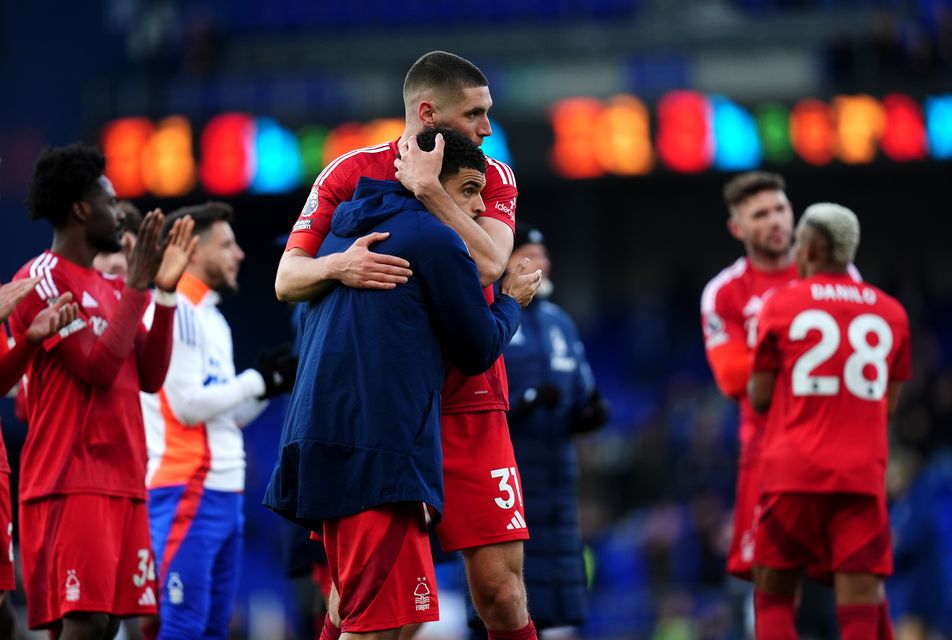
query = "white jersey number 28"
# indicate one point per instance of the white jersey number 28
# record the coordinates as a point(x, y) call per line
point(864, 354)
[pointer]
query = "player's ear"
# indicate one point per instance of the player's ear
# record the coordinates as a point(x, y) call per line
point(734, 228)
point(80, 210)
point(426, 112)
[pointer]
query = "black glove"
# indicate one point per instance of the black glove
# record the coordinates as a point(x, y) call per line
point(545, 395)
point(548, 395)
point(278, 367)
point(594, 414)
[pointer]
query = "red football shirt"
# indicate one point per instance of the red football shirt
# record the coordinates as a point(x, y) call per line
point(336, 184)
point(86, 434)
point(835, 345)
point(729, 307)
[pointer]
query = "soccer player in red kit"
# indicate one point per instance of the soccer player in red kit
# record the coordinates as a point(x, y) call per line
point(483, 499)
point(84, 529)
point(830, 358)
point(762, 219)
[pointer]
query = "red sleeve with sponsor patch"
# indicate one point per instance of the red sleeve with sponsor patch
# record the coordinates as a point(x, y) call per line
point(336, 184)
point(836, 344)
point(499, 194)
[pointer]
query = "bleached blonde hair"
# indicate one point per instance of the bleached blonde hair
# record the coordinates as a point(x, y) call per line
point(839, 225)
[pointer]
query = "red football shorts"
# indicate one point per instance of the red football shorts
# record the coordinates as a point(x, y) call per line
point(740, 558)
point(482, 497)
point(381, 562)
point(86, 552)
point(7, 581)
point(849, 533)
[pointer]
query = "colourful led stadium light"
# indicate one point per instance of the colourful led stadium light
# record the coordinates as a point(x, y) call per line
point(773, 124)
point(812, 131)
point(168, 164)
point(496, 146)
point(311, 142)
point(624, 147)
point(685, 140)
point(228, 148)
point(123, 142)
point(278, 166)
point(736, 143)
point(342, 139)
point(939, 126)
point(573, 154)
point(904, 138)
point(860, 122)
point(382, 130)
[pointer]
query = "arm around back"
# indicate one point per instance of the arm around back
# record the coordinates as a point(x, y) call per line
point(473, 333)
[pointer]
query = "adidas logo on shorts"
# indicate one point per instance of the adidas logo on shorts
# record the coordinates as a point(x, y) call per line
point(147, 599)
point(518, 522)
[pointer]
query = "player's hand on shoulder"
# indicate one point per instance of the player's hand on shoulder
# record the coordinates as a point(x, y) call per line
point(145, 259)
point(53, 318)
point(361, 268)
point(278, 367)
point(12, 293)
point(419, 170)
point(179, 247)
point(521, 286)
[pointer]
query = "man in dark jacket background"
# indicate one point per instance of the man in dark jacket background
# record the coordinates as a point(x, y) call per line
point(554, 398)
point(360, 449)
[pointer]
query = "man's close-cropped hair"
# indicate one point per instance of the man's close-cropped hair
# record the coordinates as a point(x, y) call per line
point(63, 176)
point(204, 215)
point(458, 152)
point(742, 186)
point(444, 71)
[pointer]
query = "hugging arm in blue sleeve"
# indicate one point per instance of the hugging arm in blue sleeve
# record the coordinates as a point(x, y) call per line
point(473, 333)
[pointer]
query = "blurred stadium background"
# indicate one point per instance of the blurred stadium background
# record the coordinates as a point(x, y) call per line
point(622, 120)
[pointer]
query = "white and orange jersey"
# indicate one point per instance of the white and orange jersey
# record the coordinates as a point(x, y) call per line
point(193, 425)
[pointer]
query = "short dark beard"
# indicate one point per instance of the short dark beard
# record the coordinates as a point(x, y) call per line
point(105, 246)
point(225, 288)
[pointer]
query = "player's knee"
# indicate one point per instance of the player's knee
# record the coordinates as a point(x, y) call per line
point(858, 588)
point(503, 603)
point(87, 626)
point(112, 628)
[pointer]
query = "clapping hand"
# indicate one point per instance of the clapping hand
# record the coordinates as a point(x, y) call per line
point(12, 293)
point(53, 318)
point(178, 250)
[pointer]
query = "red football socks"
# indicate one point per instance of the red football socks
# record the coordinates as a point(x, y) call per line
point(528, 632)
point(885, 624)
point(774, 616)
point(858, 621)
point(329, 631)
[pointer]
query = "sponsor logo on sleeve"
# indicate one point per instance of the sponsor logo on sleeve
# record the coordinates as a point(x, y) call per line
point(311, 205)
point(509, 208)
point(714, 330)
